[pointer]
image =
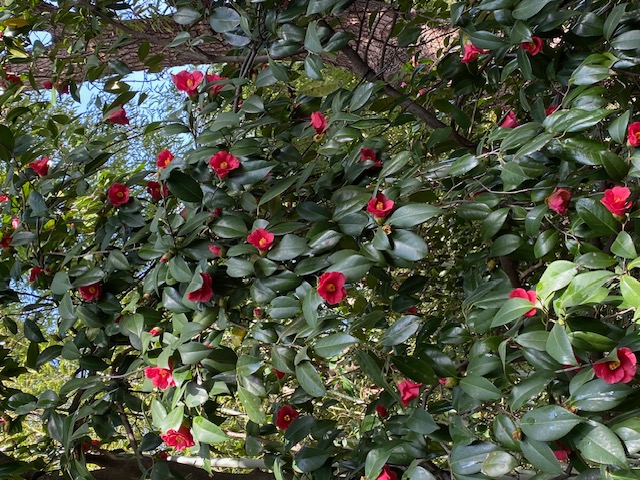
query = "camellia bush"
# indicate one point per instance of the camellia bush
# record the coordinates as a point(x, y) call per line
point(430, 275)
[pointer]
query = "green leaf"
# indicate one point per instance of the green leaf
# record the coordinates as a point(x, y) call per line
point(312, 40)
point(309, 459)
point(623, 246)
point(309, 379)
point(186, 16)
point(252, 405)
point(493, 222)
point(230, 227)
point(528, 8)
point(207, 432)
point(557, 276)
point(599, 396)
point(224, 19)
point(184, 187)
point(401, 330)
point(630, 290)
point(415, 368)
point(527, 389)
point(411, 215)
point(487, 40)
point(600, 445)
point(463, 164)
point(333, 345)
point(512, 309)
point(60, 284)
point(545, 243)
point(541, 456)
point(408, 246)
point(352, 266)
point(548, 423)
point(480, 388)
point(421, 421)
point(559, 347)
point(361, 96)
point(395, 164)
point(290, 247)
point(613, 20)
point(468, 459)
point(498, 463)
point(618, 127)
point(627, 41)
point(582, 288)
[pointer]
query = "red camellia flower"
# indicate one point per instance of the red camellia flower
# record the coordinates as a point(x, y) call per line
point(331, 287)
point(34, 273)
point(204, 293)
point(558, 201)
point(215, 250)
point(156, 190)
point(90, 292)
point(41, 167)
point(180, 439)
point(187, 81)
point(163, 455)
point(528, 295)
point(6, 240)
point(533, 47)
point(118, 194)
point(387, 474)
point(155, 331)
point(164, 158)
point(261, 238)
point(382, 412)
point(562, 455)
point(223, 162)
point(214, 77)
point(615, 199)
point(367, 154)
point(280, 375)
point(47, 84)
point(319, 122)
point(160, 377)
point(550, 109)
point(4, 198)
point(633, 134)
point(509, 120)
point(380, 206)
point(408, 391)
point(621, 371)
point(285, 416)
point(471, 53)
point(118, 116)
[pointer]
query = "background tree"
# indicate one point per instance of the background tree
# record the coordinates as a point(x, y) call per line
point(429, 274)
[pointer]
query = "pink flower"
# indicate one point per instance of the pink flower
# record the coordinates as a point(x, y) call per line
point(509, 120)
point(41, 167)
point(331, 287)
point(615, 199)
point(160, 377)
point(118, 194)
point(118, 116)
point(387, 474)
point(621, 371)
point(558, 201)
point(261, 238)
point(156, 190)
point(380, 206)
point(285, 416)
point(187, 81)
point(471, 53)
point(4, 198)
point(319, 122)
point(34, 273)
point(215, 250)
point(408, 391)
point(90, 292)
point(15, 221)
point(533, 47)
point(164, 158)
point(381, 411)
point(369, 155)
point(550, 109)
point(223, 162)
point(214, 77)
point(204, 293)
point(180, 439)
point(633, 134)
point(527, 295)
point(155, 331)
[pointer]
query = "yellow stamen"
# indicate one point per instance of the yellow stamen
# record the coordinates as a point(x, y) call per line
point(613, 365)
point(331, 288)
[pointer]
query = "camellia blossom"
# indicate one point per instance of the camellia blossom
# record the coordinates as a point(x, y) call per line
point(261, 238)
point(118, 194)
point(319, 122)
point(6, 240)
point(155, 331)
point(527, 295)
point(179, 439)
point(633, 134)
point(215, 250)
point(509, 121)
point(41, 167)
point(381, 411)
point(387, 474)
point(279, 375)
point(47, 84)
point(204, 293)
point(471, 53)
point(558, 201)
point(367, 154)
point(331, 287)
point(533, 47)
point(408, 391)
point(550, 109)
point(164, 159)
point(380, 206)
point(118, 116)
point(160, 377)
point(4, 198)
point(562, 455)
point(34, 273)
point(214, 77)
point(285, 416)
point(615, 199)
point(156, 190)
point(223, 162)
point(91, 292)
point(621, 371)
point(187, 81)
